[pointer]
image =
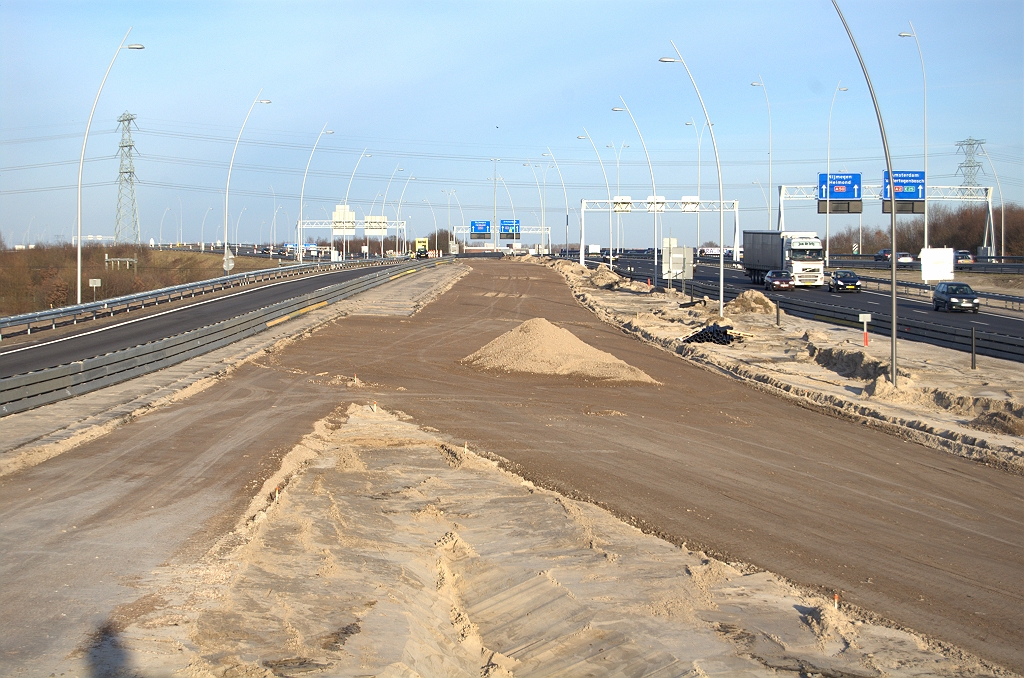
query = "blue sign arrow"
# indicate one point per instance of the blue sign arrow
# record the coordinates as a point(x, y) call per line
point(908, 185)
point(480, 226)
point(839, 186)
point(508, 226)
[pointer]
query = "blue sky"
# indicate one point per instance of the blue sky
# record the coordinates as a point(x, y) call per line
point(440, 88)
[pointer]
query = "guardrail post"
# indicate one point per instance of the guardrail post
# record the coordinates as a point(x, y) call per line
point(974, 355)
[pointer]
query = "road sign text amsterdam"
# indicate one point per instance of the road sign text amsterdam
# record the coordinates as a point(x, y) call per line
point(909, 185)
point(508, 226)
point(840, 187)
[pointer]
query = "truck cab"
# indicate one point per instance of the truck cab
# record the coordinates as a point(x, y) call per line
point(799, 253)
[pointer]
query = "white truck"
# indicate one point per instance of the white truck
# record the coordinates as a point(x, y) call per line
point(798, 252)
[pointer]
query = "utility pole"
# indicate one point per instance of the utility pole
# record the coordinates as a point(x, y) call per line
point(970, 167)
point(126, 228)
point(494, 217)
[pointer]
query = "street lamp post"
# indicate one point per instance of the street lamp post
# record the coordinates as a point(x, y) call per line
point(227, 187)
point(202, 231)
point(540, 197)
point(238, 221)
point(398, 214)
point(362, 155)
point(721, 190)
point(81, 159)
point(160, 231)
point(1002, 212)
point(760, 83)
point(828, 171)
point(302, 193)
point(566, 197)
point(618, 186)
point(893, 371)
point(611, 260)
point(654, 189)
point(924, 78)
point(434, 216)
point(700, 137)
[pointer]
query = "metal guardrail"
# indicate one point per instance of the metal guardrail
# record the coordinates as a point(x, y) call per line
point(51, 318)
point(991, 344)
point(26, 391)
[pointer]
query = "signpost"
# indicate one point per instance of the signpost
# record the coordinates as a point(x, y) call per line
point(909, 189)
point(840, 193)
point(94, 283)
point(676, 262)
point(480, 230)
point(508, 229)
point(865, 318)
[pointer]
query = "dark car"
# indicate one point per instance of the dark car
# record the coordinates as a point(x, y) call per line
point(778, 280)
point(843, 280)
point(883, 255)
point(955, 296)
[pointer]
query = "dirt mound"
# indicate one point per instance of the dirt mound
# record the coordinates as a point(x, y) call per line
point(851, 363)
point(998, 422)
point(538, 347)
point(750, 301)
point(604, 277)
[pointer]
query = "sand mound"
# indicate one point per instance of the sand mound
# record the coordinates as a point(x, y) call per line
point(538, 347)
point(750, 301)
point(998, 422)
point(851, 363)
point(604, 277)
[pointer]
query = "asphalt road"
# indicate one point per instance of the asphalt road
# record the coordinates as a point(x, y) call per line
point(868, 301)
point(933, 541)
point(87, 343)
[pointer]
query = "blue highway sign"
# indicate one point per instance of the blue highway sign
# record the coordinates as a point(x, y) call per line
point(839, 187)
point(508, 226)
point(480, 226)
point(909, 185)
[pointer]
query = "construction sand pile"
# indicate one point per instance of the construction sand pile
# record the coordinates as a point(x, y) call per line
point(750, 301)
point(604, 277)
point(538, 347)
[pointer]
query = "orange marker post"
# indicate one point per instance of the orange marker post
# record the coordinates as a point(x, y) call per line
point(865, 318)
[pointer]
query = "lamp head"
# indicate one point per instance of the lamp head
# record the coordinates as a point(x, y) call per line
point(844, 89)
point(135, 46)
point(264, 101)
point(581, 136)
point(756, 84)
point(617, 108)
point(906, 35)
point(667, 60)
point(328, 131)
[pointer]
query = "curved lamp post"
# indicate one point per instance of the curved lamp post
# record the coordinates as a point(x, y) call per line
point(828, 170)
point(398, 214)
point(924, 77)
point(721, 191)
point(893, 371)
point(238, 221)
point(81, 159)
point(760, 83)
point(564, 195)
point(227, 187)
point(618, 186)
point(202, 231)
point(654, 189)
point(700, 138)
point(362, 155)
point(607, 188)
point(302, 193)
point(436, 245)
point(160, 231)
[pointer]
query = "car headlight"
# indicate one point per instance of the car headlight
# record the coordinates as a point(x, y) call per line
point(954, 300)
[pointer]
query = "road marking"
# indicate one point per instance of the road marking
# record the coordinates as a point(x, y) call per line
point(978, 322)
point(914, 310)
point(874, 303)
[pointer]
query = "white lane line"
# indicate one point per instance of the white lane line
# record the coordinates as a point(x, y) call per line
point(978, 322)
point(914, 310)
point(157, 315)
point(874, 303)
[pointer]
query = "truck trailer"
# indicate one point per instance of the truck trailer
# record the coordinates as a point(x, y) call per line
point(798, 252)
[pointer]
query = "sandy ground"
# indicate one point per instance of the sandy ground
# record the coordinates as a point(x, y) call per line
point(939, 402)
point(392, 553)
point(382, 547)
